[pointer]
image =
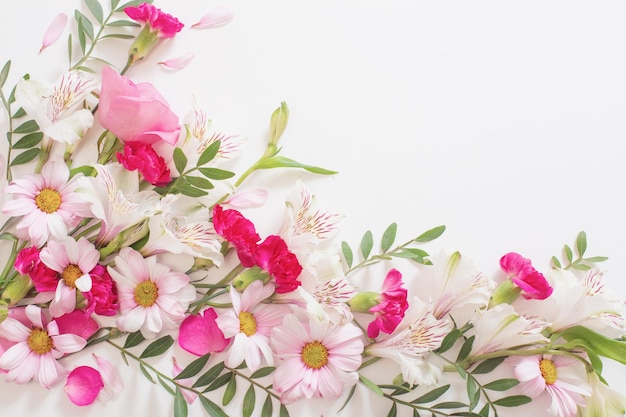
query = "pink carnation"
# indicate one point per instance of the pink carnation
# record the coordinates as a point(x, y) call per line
point(390, 311)
point(166, 24)
point(29, 263)
point(143, 157)
point(520, 270)
point(274, 257)
point(102, 298)
point(236, 229)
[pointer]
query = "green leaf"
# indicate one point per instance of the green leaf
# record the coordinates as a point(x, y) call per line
point(69, 49)
point(230, 391)
point(19, 113)
point(581, 267)
point(85, 69)
point(431, 395)
point(4, 73)
point(165, 385)
point(581, 243)
point(119, 23)
point(449, 404)
point(283, 162)
point(593, 259)
point(216, 173)
point(431, 234)
point(199, 182)
point(465, 349)
point(556, 262)
point(190, 191)
point(473, 393)
point(569, 255)
point(488, 365)
point(367, 243)
point(219, 382)
point(180, 405)
point(145, 373)
point(283, 411)
point(416, 413)
point(210, 407)
point(29, 141)
point(259, 373)
point(513, 401)
point(209, 376)
point(347, 253)
point(449, 340)
point(8, 236)
point(393, 411)
point(389, 236)
point(484, 412)
point(82, 39)
point(86, 24)
point(597, 343)
point(157, 347)
point(209, 153)
point(348, 398)
point(268, 408)
point(371, 385)
point(193, 368)
point(27, 127)
point(118, 36)
point(25, 157)
point(249, 401)
point(96, 9)
point(501, 384)
point(114, 4)
point(180, 160)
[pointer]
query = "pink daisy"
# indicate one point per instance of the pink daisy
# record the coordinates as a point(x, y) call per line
point(250, 323)
point(152, 297)
point(47, 202)
point(72, 260)
point(317, 359)
point(561, 377)
point(36, 349)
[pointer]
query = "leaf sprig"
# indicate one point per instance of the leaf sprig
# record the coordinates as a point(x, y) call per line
point(581, 262)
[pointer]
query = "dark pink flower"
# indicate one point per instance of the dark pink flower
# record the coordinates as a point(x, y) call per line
point(393, 304)
point(143, 157)
point(237, 230)
point(102, 298)
point(83, 385)
point(77, 322)
point(274, 257)
point(166, 24)
point(521, 272)
point(199, 334)
point(29, 263)
point(135, 112)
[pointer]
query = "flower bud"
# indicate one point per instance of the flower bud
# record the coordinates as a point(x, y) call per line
point(505, 293)
point(17, 289)
point(278, 123)
point(363, 301)
point(127, 237)
point(248, 276)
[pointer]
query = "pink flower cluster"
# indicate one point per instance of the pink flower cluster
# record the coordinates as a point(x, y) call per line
point(521, 271)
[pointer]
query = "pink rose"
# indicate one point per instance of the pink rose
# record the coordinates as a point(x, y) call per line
point(143, 157)
point(521, 272)
point(135, 112)
point(165, 24)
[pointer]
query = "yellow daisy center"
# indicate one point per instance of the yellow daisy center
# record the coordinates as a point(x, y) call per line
point(146, 293)
point(548, 371)
point(314, 355)
point(70, 274)
point(39, 341)
point(247, 323)
point(48, 200)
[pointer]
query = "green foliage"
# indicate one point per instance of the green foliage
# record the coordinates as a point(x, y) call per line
point(157, 347)
point(580, 262)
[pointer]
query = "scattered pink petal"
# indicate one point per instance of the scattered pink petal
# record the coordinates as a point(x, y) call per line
point(219, 16)
point(110, 375)
point(177, 63)
point(54, 31)
point(83, 385)
point(189, 396)
point(255, 197)
point(199, 334)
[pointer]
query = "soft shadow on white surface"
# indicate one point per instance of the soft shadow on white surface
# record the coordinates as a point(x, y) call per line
point(506, 122)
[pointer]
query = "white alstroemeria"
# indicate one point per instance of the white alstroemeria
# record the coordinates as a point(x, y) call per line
point(576, 301)
point(453, 282)
point(116, 200)
point(202, 133)
point(502, 328)
point(183, 227)
point(59, 109)
point(604, 401)
point(419, 333)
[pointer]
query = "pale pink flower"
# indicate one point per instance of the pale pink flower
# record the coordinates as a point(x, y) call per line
point(47, 202)
point(152, 297)
point(37, 347)
point(560, 377)
point(54, 31)
point(250, 324)
point(218, 16)
point(315, 359)
point(177, 63)
point(72, 260)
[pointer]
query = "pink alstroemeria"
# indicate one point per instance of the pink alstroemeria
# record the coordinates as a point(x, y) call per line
point(166, 25)
point(83, 385)
point(393, 304)
point(273, 256)
point(54, 31)
point(521, 272)
point(143, 157)
point(236, 229)
point(37, 347)
point(216, 17)
point(200, 334)
point(178, 62)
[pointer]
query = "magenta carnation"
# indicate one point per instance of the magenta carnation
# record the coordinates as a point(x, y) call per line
point(102, 298)
point(274, 257)
point(165, 24)
point(393, 304)
point(520, 270)
point(143, 157)
point(237, 230)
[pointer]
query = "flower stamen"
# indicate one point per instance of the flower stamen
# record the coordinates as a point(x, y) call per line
point(247, 323)
point(39, 342)
point(70, 274)
point(548, 371)
point(314, 355)
point(48, 200)
point(146, 293)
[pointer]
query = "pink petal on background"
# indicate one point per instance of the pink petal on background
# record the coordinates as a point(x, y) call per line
point(54, 31)
point(177, 63)
point(217, 17)
point(83, 385)
point(189, 396)
point(110, 376)
point(255, 197)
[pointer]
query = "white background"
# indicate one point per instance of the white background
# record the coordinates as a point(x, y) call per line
point(503, 120)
